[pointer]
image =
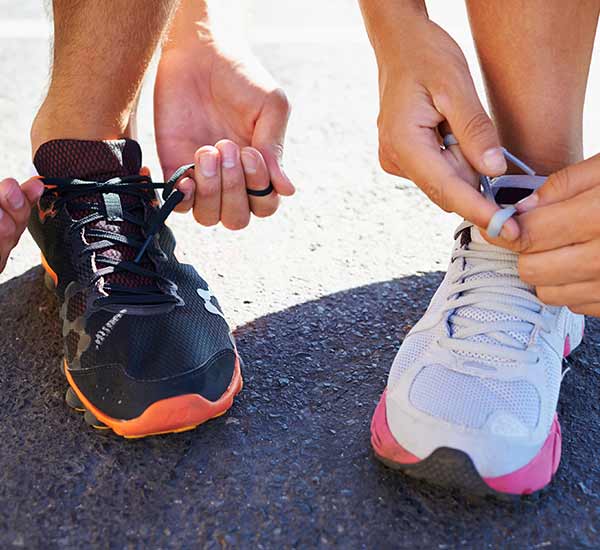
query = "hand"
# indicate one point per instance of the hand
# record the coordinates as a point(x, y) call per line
point(229, 118)
point(560, 238)
point(426, 90)
point(15, 206)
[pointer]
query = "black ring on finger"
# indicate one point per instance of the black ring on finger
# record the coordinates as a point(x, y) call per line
point(261, 192)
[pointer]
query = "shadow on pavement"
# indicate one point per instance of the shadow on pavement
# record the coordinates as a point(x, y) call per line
point(290, 465)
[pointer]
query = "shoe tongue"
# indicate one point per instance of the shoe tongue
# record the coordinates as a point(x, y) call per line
point(513, 188)
point(88, 160)
point(507, 190)
point(99, 161)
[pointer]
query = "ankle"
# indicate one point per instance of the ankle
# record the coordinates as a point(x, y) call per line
point(56, 120)
point(545, 151)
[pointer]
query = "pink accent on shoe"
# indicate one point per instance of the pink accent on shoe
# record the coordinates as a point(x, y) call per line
point(536, 474)
point(567, 348)
point(383, 441)
point(532, 477)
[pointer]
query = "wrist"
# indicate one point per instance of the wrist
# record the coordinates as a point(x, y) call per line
point(393, 26)
point(191, 26)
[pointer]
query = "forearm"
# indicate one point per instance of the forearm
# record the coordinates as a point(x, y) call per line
point(388, 21)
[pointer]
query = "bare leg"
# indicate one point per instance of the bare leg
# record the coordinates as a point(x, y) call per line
point(535, 57)
point(101, 53)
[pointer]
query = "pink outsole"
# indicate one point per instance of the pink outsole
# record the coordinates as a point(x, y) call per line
point(532, 477)
point(535, 475)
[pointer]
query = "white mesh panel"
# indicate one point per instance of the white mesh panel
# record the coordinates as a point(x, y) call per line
point(469, 401)
point(412, 348)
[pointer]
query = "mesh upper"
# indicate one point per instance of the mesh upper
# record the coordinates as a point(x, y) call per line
point(469, 401)
point(147, 345)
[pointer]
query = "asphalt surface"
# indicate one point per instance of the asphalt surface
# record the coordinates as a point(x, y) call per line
point(321, 296)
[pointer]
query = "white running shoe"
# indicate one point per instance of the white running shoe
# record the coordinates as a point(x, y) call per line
point(471, 398)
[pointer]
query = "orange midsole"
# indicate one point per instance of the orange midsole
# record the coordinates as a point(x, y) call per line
point(49, 270)
point(167, 415)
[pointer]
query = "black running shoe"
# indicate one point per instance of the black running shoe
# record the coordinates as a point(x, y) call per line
point(147, 349)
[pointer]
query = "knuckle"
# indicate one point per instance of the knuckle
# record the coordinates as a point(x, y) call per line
point(527, 271)
point(208, 189)
point(583, 310)
point(549, 296)
point(233, 184)
point(281, 101)
point(388, 157)
point(558, 183)
point(477, 125)
point(594, 265)
point(277, 150)
point(526, 239)
point(387, 165)
point(8, 228)
point(436, 194)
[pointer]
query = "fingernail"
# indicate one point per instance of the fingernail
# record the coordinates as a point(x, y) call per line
point(15, 197)
point(249, 161)
point(494, 161)
point(208, 165)
point(528, 203)
point(509, 232)
point(230, 155)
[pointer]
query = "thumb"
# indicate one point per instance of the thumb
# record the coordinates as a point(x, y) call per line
point(564, 184)
point(474, 130)
point(269, 137)
point(33, 189)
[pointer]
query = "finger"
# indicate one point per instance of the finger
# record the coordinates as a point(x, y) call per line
point(257, 179)
point(457, 160)
point(561, 224)
point(9, 236)
point(33, 189)
point(5, 248)
point(548, 268)
point(564, 184)
point(269, 137)
point(187, 186)
point(427, 166)
point(207, 193)
point(473, 129)
point(591, 310)
point(14, 203)
point(235, 210)
point(576, 294)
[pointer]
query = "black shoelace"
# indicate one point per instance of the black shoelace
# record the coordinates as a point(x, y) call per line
point(113, 210)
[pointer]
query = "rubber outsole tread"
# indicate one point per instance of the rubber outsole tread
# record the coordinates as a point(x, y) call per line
point(453, 469)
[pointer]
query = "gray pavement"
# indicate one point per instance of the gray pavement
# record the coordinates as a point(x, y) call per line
point(321, 295)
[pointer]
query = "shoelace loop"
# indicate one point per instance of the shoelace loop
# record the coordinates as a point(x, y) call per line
point(505, 213)
point(503, 293)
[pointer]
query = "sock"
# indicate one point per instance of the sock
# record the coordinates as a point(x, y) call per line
point(90, 160)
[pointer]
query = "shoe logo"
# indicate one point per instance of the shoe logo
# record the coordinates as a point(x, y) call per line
point(206, 295)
